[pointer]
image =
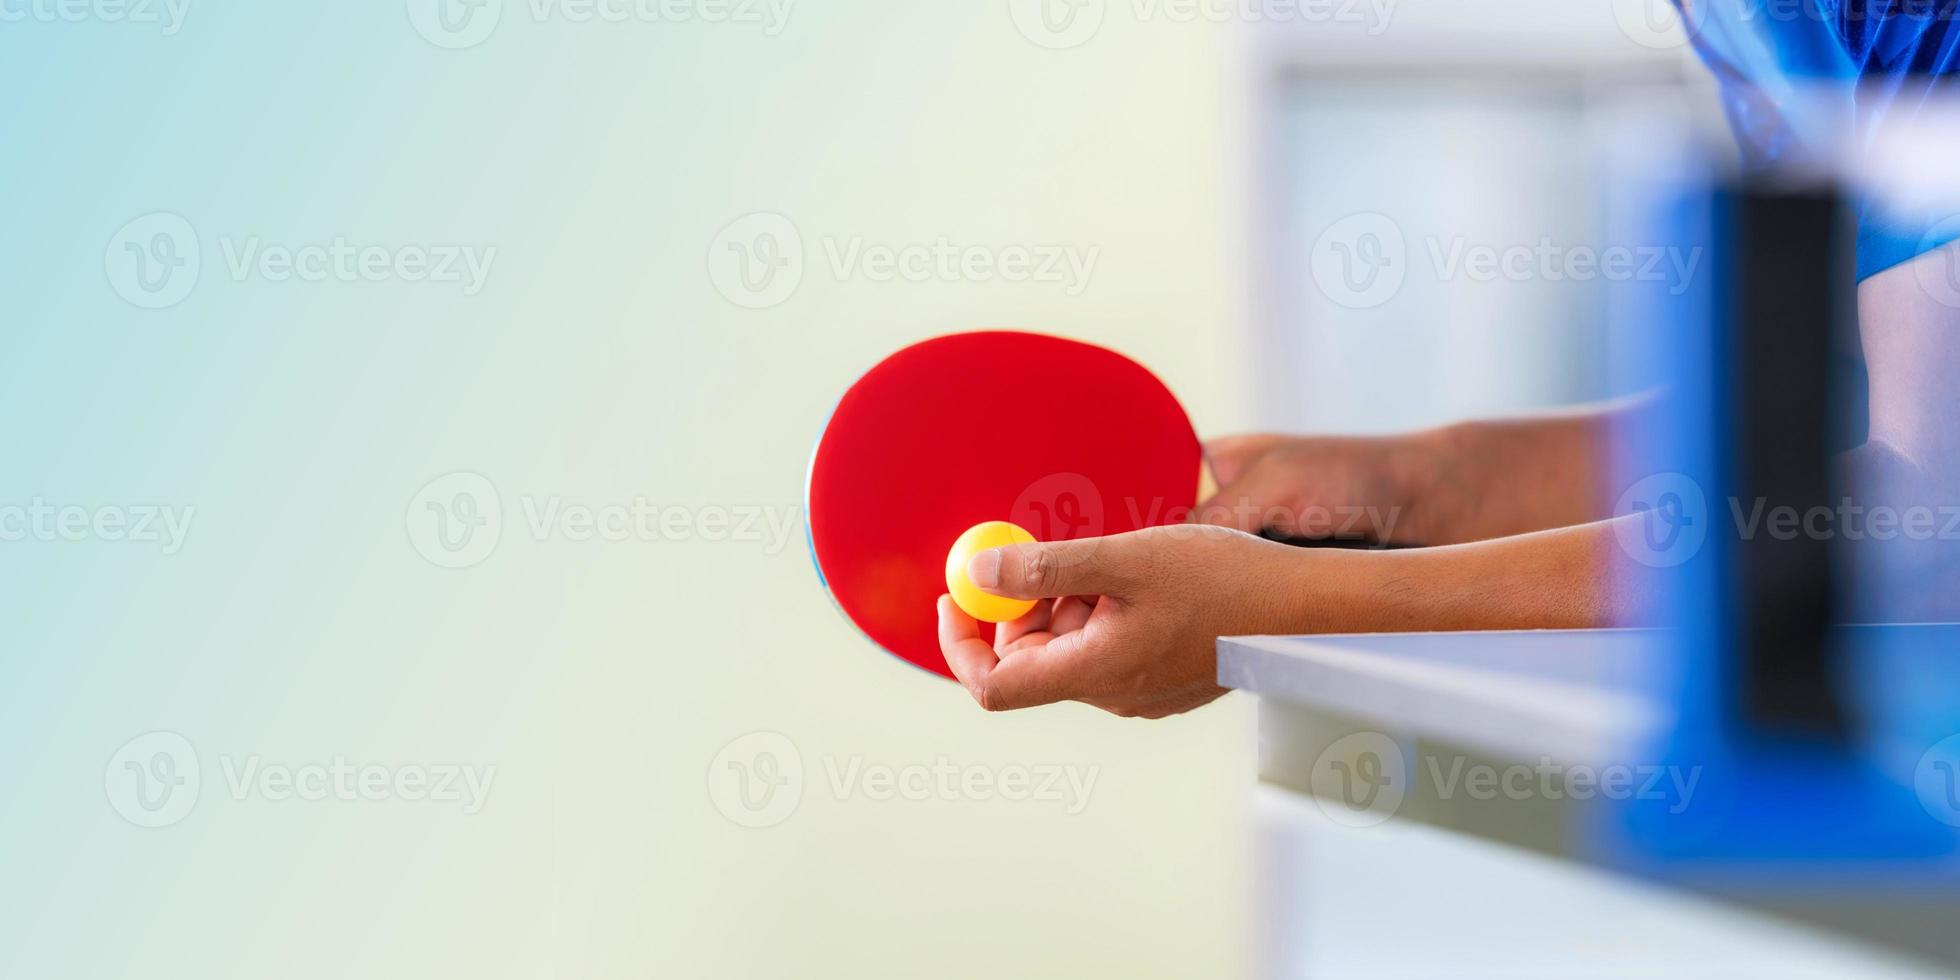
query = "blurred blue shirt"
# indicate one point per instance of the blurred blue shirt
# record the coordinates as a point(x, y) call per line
point(1798, 76)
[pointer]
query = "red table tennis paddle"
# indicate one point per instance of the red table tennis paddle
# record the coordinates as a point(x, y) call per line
point(1066, 439)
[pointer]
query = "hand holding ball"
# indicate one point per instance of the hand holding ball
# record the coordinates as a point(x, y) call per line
point(984, 606)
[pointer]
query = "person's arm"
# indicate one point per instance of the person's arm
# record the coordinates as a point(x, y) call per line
point(1471, 481)
point(1130, 622)
point(1909, 324)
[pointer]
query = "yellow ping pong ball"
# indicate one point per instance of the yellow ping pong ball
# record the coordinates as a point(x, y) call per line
point(984, 606)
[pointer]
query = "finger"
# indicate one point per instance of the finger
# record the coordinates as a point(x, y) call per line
point(1084, 566)
point(1038, 675)
point(1071, 614)
point(1033, 621)
point(1230, 455)
point(967, 655)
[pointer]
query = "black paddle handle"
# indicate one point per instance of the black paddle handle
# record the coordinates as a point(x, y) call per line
point(1347, 541)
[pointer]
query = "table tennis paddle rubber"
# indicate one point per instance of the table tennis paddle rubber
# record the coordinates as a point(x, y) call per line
point(1064, 438)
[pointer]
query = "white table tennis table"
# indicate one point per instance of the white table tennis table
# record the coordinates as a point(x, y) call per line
point(1421, 881)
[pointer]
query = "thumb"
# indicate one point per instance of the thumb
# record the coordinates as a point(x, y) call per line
point(1084, 566)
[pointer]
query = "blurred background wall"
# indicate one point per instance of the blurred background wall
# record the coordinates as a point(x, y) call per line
point(678, 220)
point(598, 362)
point(1426, 199)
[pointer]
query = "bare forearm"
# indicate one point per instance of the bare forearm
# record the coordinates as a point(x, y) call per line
point(1566, 578)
